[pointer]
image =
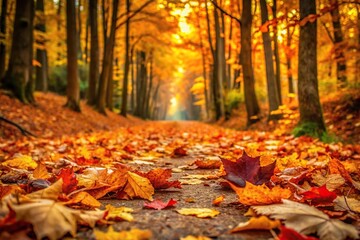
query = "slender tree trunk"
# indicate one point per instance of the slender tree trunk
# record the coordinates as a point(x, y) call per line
point(276, 53)
point(41, 54)
point(58, 28)
point(148, 94)
point(87, 33)
point(133, 86)
point(110, 85)
point(252, 106)
point(289, 56)
point(309, 102)
point(273, 96)
point(107, 61)
point(73, 85)
point(3, 37)
point(127, 62)
point(79, 24)
point(339, 47)
point(94, 52)
point(18, 75)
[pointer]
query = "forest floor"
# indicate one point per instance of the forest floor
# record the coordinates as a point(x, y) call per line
point(88, 161)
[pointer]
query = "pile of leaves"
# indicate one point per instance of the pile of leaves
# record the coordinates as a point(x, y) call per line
point(294, 187)
point(49, 119)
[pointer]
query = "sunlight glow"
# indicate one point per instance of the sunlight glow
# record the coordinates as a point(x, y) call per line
point(173, 101)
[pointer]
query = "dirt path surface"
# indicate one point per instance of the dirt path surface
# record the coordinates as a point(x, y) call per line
point(190, 151)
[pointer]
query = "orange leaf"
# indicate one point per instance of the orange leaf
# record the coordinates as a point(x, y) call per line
point(257, 223)
point(9, 189)
point(208, 164)
point(218, 200)
point(260, 194)
point(159, 178)
point(138, 186)
point(41, 172)
point(84, 199)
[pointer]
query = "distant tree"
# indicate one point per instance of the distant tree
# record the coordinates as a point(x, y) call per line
point(311, 116)
point(2, 37)
point(252, 106)
point(127, 61)
point(73, 85)
point(94, 52)
point(41, 52)
point(338, 45)
point(18, 76)
point(107, 61)
point(276, 52)
point(272, 87)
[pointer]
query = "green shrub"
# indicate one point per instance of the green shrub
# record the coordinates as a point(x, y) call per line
point(311, 129)
point(233, 99)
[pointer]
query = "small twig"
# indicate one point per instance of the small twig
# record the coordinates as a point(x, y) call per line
point(225, 12)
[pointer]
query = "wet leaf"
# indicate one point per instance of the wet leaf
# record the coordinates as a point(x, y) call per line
point(199, 212)
point(257, 223)
point(158, 204)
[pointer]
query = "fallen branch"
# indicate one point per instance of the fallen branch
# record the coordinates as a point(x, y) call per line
point(22, 130)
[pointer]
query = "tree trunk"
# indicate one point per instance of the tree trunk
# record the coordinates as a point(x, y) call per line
point(252, 106)
point(309, 102)
point(288, 59)
point(3, 33)
point(58, 28)
point(94, 52)
point(41, 54)
point(148, 94)
point(133, 86)
point(107, 61)
point(18, 75)
point(338, 45)
point(273, 96)
point(79, 24)
point(127, 62)
point(110, 85)
point(73, 85)
point(276, 54)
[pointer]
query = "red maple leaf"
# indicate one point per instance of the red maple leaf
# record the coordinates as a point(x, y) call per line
point(159, 178)
point(247, 168)
point(69, 180)
point(179, 152)
point(290, 234)
point(319, 196)
point(158, 204)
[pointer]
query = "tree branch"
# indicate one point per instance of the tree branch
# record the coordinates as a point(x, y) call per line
point(134, 13)
point(225, 12)
point(22, 130)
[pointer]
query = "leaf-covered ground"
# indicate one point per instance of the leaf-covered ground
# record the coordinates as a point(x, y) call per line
point(174, 180)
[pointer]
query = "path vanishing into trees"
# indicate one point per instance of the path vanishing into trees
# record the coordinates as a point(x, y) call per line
point(180, 162)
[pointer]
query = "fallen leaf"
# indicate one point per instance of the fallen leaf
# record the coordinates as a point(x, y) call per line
point(9, 189)
point(343, 203)
point(307, 219)
point(41, 172)
point(69, 180)
point(51, 192)
point(199, 212)
point(207, 164)
point(319, 196)
point(84, 199)
point(138, 186)
point(332, 181)
point(119, 213)
point(260, 194)
point(21, 162)
point(159, 178)
point(133, 234)
point(248, 169)
point(190, 237)
point(179, 152)
point(290, 234)
point(49, 219)
point(89, 217)
point(158, 204)
point(257, 223)
point(218, 200)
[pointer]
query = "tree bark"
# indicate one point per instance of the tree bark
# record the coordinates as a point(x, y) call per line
point(18, 75)
point(338, 45)
point(73, 85)
point(94, 52)
point(276, 53)
point(127, 62)
point(107, 61)
point(273, 96)
point(252, 106)
point(41, 54)
point(309, 102)
point(3, 37)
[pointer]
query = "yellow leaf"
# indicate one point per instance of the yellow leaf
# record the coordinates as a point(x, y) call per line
point(85, 199)
point(260, 194)
point(257, 223)
point(218, 200)
point(190, 237)
point(51, 192)
point(133, 234)
point(138, 186)
point(48, 218)
point(122, 213)
point(89, 217)
point(199, 212)
point(21, 162)
point(41, 172)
